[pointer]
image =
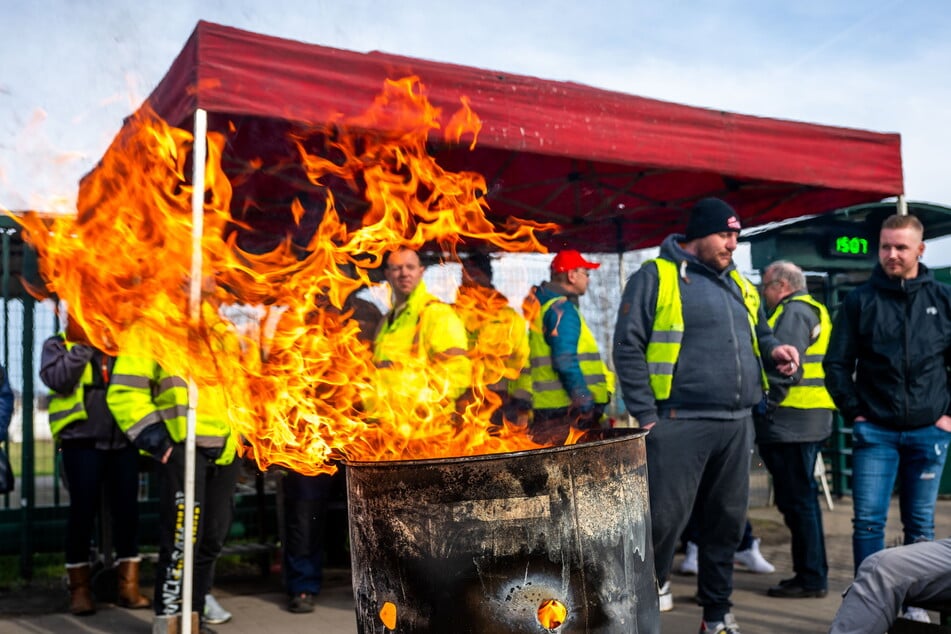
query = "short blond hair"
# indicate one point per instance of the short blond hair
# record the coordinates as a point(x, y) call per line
point(899, 221)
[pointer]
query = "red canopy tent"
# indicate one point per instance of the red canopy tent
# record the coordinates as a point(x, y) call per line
point(615, 170)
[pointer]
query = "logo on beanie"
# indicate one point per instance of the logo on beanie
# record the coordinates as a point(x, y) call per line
point(733, 223)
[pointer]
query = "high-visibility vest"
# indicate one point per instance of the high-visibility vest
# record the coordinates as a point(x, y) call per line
point(810, 392)
point(142, 393)
point(498, 339)
point(667, 332)
point(425, 330)
point(547, 389)
point(69, 408)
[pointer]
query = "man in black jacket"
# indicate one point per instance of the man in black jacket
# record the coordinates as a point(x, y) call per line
point(893, 335)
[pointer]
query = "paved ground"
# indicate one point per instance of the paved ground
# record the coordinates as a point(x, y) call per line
point(259, 604)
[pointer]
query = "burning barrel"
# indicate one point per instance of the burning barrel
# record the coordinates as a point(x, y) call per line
point(548, 540)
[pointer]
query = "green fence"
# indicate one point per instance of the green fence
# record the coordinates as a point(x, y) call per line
point(33, 516)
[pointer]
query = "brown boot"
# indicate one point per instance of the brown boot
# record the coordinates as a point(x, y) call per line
point(129, 595)
point(81, 602)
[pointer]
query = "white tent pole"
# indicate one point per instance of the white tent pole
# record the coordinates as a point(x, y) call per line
point(199, 152)
point(620, 270)
point(902, 205)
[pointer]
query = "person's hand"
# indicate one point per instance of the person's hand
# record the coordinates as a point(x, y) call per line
point(944, 423)
point(786, 358)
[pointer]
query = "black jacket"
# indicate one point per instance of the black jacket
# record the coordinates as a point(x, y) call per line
point(895, 336)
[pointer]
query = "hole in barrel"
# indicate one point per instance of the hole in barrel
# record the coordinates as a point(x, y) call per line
point(388, 615)
point(551, 614)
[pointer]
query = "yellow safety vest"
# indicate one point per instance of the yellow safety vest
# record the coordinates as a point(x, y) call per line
point(547, 389)
point(810, 392)
point(667, 332)
point(425, 330)
point(69, 408)
point(498, 339)
point(141, 393)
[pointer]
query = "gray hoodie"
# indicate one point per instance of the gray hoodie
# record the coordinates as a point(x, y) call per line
point(717, 374)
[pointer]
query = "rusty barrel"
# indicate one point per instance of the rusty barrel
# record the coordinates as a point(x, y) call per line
point(548, 540)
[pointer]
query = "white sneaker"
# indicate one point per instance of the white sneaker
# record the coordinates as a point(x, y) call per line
point(689, 565)
point(916, 614)
point(214, 613)
point(727, 626)
point(665, 600)
point(753, 560)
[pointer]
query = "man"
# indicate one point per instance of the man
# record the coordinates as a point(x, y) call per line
point(887, 370)
point(150, 405)
point(796, 420)
point(570, 384)
point(890, 578)
point(688, 346)
point(498, 341)
point(420, 331)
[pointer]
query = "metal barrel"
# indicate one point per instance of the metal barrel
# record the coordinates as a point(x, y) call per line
point(502, 542)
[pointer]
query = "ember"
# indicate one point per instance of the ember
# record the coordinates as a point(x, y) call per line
point(552, 613)
point(306, 393)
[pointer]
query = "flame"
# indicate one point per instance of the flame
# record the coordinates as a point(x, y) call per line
point(551, 614)
point(297, 379)
point(388, 615)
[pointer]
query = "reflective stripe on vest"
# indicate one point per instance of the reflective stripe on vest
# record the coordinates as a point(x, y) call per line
point(663, 347)
point(69, 408)
point(810, 392)
point(136, 381)
point(547, 389)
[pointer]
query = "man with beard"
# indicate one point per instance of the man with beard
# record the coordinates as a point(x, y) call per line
point(689, 348)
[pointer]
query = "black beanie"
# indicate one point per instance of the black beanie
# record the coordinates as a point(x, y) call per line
point(711, 215)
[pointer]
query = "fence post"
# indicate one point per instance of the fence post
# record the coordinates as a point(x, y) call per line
point(28, 478)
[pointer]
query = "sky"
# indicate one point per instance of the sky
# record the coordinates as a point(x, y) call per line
point(70, 70)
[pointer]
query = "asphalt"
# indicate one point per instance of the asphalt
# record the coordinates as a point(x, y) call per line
point(259, 605)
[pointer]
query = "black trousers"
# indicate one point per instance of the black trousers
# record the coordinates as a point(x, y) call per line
point(91, 472)
point(797, 497)
point(214, 506)
point(700, 465)
point(305, 518)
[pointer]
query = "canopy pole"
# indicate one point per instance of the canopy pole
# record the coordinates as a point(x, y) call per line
point(902, 205)
point(619, 229)
point(199, 151)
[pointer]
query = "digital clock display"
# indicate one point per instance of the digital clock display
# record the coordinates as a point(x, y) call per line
point(849, 243)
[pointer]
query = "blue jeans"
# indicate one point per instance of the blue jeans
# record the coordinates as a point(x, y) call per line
point(879, 454)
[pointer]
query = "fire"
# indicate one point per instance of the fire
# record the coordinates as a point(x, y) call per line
point(551, 614)
point(388, 615)
point(297, 381)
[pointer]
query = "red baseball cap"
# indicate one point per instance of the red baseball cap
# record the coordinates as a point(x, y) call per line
point(569, 261)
